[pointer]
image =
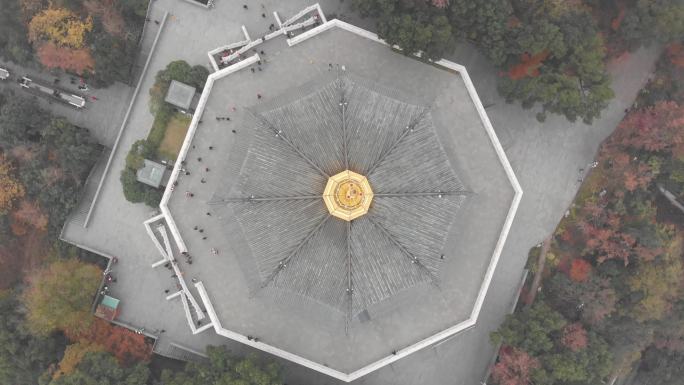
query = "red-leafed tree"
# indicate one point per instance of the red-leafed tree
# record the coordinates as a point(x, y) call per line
point(601, 229)
point(77, 60)
point(675, 52)
point(127, 346)
point(657, 128)
point(574, 337)
point(528, 66)
point(515, 367)
point(579, 270)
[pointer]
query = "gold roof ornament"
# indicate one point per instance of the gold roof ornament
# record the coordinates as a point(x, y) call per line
point(348, 195)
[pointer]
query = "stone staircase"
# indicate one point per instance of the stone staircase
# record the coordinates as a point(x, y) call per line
point(175, 351)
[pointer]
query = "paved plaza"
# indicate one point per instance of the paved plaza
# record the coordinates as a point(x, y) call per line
point(546, 158)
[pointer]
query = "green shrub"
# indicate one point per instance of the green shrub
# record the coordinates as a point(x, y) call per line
point(180, 71)
point(138, 192)
point(133, 190)
point(161, 120)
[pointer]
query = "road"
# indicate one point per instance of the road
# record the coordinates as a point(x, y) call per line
point(101, 115)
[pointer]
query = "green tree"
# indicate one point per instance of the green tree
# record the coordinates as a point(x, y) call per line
point(101, 368)
point(532, 330)
point(430, 36)
point(76, 149)
point(59, 297)
point(589, 366)
point(573, 80)
point(137, 192)
point(592, 301)
point(415, 26)
point(662, 367)
point(14, 45)
point(652, 20)
point(539, 332)
point(178, 70)
point(134, 7)
point(484, 22)
point(114, 58)
point(23, 357)
point(658, 283)
point(21, 120)
point(224, 369)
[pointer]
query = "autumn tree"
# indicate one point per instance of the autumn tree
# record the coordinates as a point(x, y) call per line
point(658, 282)
point(579, 270)
point(59, 297)
point(60, 27)
point(10, 188)
point(657, 128)
point(592, 300)
point(539, 332)
point(76, 60)
point(73, 355)
point(514, 367)
point(29, 213)
point(574, 337)
point(127, 346)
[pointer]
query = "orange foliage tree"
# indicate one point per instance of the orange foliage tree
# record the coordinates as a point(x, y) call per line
point(579, 270)
point(29, 213)
point(127, 346)
point(77, 60)
point(73, 354)
point(10, 188)
point(675, 52)
point(528, 66)
point(574, 337)
point(515, 367)
point(657, 128)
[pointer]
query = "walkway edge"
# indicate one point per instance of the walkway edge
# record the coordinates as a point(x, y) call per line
point(125, 121)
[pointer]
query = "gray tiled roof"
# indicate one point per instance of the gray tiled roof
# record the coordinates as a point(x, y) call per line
point(180, 94)
point(151, 174)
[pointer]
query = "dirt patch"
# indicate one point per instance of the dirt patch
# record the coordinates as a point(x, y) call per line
point(174, 136)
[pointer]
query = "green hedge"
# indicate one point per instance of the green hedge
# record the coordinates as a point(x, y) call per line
point(181, 71)
point(137, 192)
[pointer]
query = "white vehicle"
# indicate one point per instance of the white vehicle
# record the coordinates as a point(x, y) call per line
point(4, 74)
point(64, 97)
point(74, 100)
